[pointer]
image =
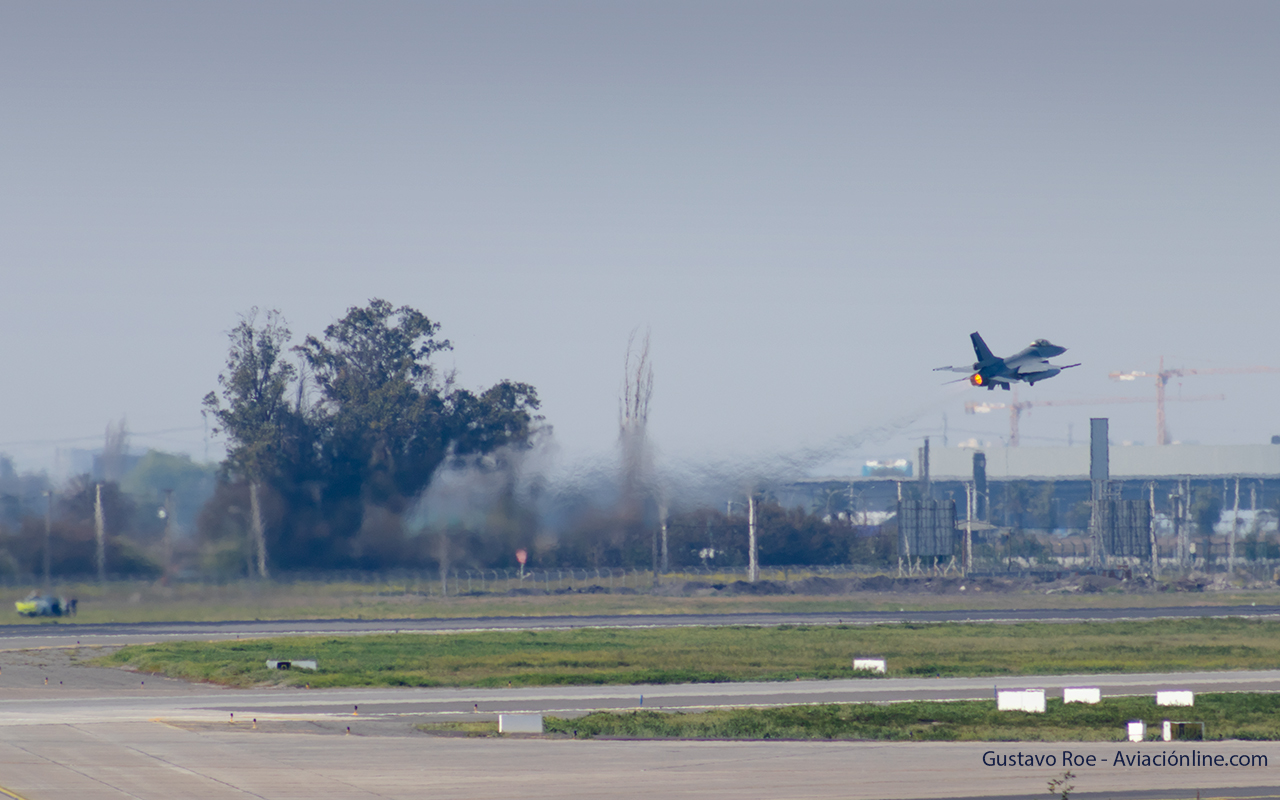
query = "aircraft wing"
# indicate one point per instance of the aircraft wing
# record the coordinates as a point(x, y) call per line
point(1034, 366)
point(965, 370)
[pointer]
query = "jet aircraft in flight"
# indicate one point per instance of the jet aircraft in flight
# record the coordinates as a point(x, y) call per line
point(1030, 364)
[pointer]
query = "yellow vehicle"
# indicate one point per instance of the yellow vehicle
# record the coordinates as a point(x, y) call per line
point(37, 605)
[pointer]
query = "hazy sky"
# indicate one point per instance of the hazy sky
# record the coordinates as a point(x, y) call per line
point(809, 204)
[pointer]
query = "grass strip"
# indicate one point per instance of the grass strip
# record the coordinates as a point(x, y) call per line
point(1226, 716)
point(151, 601)
point(718, 654)
point(468, 729)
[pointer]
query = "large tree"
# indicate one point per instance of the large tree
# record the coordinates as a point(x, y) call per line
point(256, 418)
point(347, 467)
point(381, 398)
point(390, 417)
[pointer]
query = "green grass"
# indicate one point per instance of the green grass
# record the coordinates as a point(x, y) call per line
point(684, 655)
point(1226, 716)
point(460, 728)
point(125, 601)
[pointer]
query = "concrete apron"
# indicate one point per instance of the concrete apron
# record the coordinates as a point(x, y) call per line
point(158, 760)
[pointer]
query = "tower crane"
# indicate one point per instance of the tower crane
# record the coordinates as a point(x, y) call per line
point(1016, 407)
point(1162, 377)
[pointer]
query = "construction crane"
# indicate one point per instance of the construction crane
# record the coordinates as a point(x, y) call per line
point(1017, 407)
point(1162, 379)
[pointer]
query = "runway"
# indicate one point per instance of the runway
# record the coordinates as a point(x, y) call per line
point(100, 733)
point(162, 739)
point(66, 701)
point(158, 761)
point(65, 633)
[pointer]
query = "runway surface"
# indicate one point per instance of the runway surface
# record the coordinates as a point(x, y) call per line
point(150, 738)
point(99, 733)
point(63, 633)
point(74, 696)
point(155, 761)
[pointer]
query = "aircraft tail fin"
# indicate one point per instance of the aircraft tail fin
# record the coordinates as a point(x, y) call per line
point(981, 350)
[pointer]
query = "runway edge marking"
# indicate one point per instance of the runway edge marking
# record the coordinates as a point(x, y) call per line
point(8, 793)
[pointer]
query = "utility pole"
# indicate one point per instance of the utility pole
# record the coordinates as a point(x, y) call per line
point(1175, 514)
point(100, 533)
point(753, 563)
point(259, 529)
point(1235, 529)
point(167, 512)
point(1155, 550)
point(48, 536)
point(971, 499)
point(1187, 499)
point(1099, 478)
point(662, 516)
point(654, 542)
point(1181, 499)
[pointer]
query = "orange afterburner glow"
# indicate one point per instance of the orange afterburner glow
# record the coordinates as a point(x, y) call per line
point(976, 379)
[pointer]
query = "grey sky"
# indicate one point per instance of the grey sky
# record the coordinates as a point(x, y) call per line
point(810, 205)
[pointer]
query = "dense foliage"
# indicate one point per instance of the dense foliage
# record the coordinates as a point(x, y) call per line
point(343, 442)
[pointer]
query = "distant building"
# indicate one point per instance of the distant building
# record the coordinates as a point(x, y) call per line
point(1134, 462)
point(887, 469)
point(1017, 475)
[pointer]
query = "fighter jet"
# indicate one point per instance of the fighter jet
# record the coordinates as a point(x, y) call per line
point(1030, 364)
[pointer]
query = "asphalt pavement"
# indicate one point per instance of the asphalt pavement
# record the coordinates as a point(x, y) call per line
point(161, 761)
point(81, 698)
point(65, 633)
point(101, 733)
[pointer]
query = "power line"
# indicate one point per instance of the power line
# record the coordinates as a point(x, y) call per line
point(98, 436)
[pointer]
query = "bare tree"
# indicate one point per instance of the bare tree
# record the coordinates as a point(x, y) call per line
point(636, 485)
point(633, 417)
point(115, 447)
point(637, 385)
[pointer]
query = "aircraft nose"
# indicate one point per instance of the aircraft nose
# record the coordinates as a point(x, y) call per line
point(1054, 350)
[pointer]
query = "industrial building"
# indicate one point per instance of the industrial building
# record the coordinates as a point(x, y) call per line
point(1048, 490)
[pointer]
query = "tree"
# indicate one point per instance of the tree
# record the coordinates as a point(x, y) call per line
point(372, 422)
point(381, 398)
point(1206, 510)
point(257, 417)
point(156, 473)
point(500, 416)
